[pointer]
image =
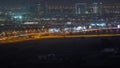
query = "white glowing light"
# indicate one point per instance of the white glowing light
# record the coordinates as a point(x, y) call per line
point(118, 26)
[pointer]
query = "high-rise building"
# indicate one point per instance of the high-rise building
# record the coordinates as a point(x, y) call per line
point(111, 8)
point(60, 9)
point(95, 8)
point(81, 8)
point(36, 9)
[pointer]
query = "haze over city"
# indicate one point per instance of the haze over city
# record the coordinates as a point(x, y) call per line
point(59, 32)
point(8, 3)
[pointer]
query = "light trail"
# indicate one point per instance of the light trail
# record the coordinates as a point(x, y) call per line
point(25, 37)
point(48, 37)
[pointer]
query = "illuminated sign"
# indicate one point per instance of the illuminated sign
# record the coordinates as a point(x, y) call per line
point(18, 17)
point(69, 23)
point(31, 23)
point(98, 24)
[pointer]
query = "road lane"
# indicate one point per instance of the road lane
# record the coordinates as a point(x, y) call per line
point(17, 39)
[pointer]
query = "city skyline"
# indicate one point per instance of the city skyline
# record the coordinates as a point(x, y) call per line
point(15, 3)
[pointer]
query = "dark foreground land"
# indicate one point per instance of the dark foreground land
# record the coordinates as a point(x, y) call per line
point(100, 51)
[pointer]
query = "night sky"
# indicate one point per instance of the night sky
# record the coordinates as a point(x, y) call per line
point(24, 2)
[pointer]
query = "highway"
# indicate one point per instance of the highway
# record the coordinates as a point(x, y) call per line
point(47, 35)
point(17, 39)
